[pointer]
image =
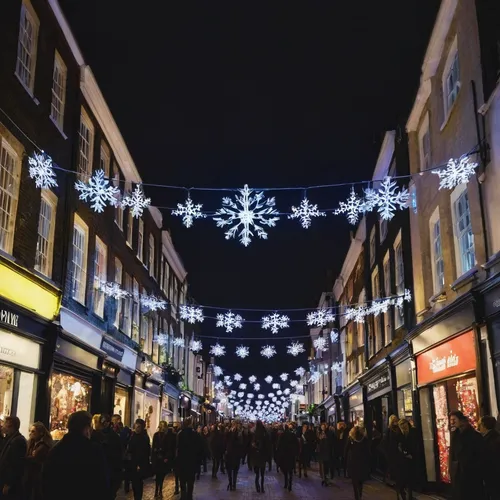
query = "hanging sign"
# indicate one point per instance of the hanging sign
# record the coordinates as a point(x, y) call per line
point(379, 384)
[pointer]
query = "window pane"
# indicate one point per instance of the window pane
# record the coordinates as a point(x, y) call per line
point(8, 197)
point(26, 47)
point(44, 241)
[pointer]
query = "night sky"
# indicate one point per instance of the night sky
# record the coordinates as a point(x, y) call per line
point(273, 94)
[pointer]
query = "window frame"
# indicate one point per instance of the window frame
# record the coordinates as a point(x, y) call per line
point(388, 325)
point(399, 273)
point(152, 255)
point(118, 208)
point(375, 280)
point(50, 199)
point(451, 59)
point(140, 240)
point(105, 157)
point(85, 174)
point(84, 229)
point(99, 297)
point(118, 281)
point(63, 70)
point(423, 132)
point(126, 322)
point(373, 245)
point(455, 197)
point(27, 10)
point(136, 311)
point(435, 220)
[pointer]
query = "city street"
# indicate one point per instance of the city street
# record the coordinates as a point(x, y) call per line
point(208, 489)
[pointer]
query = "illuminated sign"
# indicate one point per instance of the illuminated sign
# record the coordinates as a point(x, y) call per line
point(19, 350)
point(383, 382)
point(9, 318)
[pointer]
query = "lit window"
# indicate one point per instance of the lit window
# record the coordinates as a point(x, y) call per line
point(373, 246)
point(437, 252)
point(79, 262)
point(126, 321)
point(388, 293)
point(376, 319)
point(45, 240)
point(140, 240)
point(424, 139)
point(105, 159)
point(58, 91)
point(100, 275)
point(27, 46)
point(136, 312)
point(9, 192)
point(86, 147)
point(463, 230)
point(399, 278)
point(118, 208)
point(119, 281)
point(451, 79)
point(151, 255)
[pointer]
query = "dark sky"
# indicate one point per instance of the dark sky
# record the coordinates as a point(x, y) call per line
point(272, 94)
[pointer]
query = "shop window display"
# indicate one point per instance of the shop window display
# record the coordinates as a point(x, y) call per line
point(121, 404)
point(68, 395)
point(6, 390)
point(405, 403)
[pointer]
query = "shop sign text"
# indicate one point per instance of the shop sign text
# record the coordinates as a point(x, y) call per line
point(441, 364)
point(377, 385)
point(9, 318)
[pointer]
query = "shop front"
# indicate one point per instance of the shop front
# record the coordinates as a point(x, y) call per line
point(170, 403)
point(356, 410)
point(403, 373)
point(147, 402)
point(380, 404)
point(184, 405)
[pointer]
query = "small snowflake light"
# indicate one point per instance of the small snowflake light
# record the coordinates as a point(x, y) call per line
point(217, 371)
point(337, 367)
point(227, 378)
point(305, 212)
point(357, 314)
point(293, 383)
point(112, 290)
point(284, 377)
point(334, 336)
point(189, 211)
point(229, 321)
point(269, 379)
point(42, 171)
point(295, 348)
point(153, 303)
point(191, 314)
point(300, 372)
point(353, 207)
point(388, 199)
point(320, 344)
point(243, 386)
point(456, 172)
point(136, 201)
point(219, 386)
point(241, 394)
point(320, 318)
point(249, 213)
point(98, 191)
point(242, 352)
point(161, 339)
point(237, 377)
point(275, 322)
point(217, 350)
point(252, 379)
point(256, 387)
point(268, 351)
point(276, 386)
point(315, 376)
point(196, 345)
point(178, 342)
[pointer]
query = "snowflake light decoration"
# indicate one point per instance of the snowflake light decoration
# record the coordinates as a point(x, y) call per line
point(275, 322)
point(196, 345)
point(217, 350)
point(217, 371)
point(305, 212)
point(337, 366)
point(229, 321)
point(112, 290)
point(321, 317)
point(256, 387)
point(455, 173)
point(300, 372)
point(136, 201)
point(191, 314)
point(98, 191)
point(334, 336)
point(219, 385)
point(269, 379)
point(252, 379)
point(357, 314)
point(295, 348)
point(314, 378)
point(353, 207)
point(178, 342)
point(284, 377)
point(293, 383)
point(249, 213)
point(243, 386)
point(242, 352)
point(320, 344)
point(42, 171)
point(189, 211)
point(161, 339)
point(237, 377)
point(387, 198)
point(268, 351)
point(153, 303)
point(241, 394)
point(275, 386)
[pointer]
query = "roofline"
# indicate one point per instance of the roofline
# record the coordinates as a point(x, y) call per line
point(385, 155)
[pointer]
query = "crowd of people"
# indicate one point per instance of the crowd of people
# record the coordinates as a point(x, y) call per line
point(99, 455)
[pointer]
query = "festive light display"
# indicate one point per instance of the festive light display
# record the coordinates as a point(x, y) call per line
point(191, 314)
point(268, 351)
point(178, 342)
point(136, 201)
point(358, 314)
point(229, 321)
point(305, 212)
point(456, 172)
point(42, 170)
point(269, 379)
point(189, 211)
point(320, 344)
point(218, 371)
point(98, 191)
point(217, 350)
point(320, 318)
point(387, 199)
point(275, 322)
point(300, 372)
point(111, 290)
point(153, 303)
point(284, 377)
point(237, 377)
point(242, 352)
point(196, 346)
point(295, 348)
point(252, 379)
point(353, 207)
point(334, 336)
point(161, 339)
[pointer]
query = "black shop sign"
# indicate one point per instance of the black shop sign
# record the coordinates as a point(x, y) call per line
point(379, 384)
point(112, 350)
point(492, 302)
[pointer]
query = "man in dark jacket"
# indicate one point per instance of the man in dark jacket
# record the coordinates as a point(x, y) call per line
point(189, 453)
point(76, 468)
point(491, 439)
point(114, 452)
point(12, 460)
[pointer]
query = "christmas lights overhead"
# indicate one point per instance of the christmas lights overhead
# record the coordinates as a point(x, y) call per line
point(300, 372)
point(217, 350)
point(237, 377)
point(229, 321)
point(275, 322)
point(153, 303)
point(320, 344)
point(161, 339)
point(268, 351)
point(305, 212)
point(320, 318)
point(269, 379)
point(248, 214)
point(136, 201)
point(111, 289)
point(242, 352)
point(315, 376)
point(178, 342)
point(256, 387)
point(284, 377)
point(387, 199)
point(353, 207)
point(334, 336)
point(218, 371)
point(189, 211)
point(98, 191)
point(456, 172)
point(243, 386)
point(295, 348)
point(191, 314)
point(196, 346)
point(337, 366)
point(252, 379)
point(42, 171)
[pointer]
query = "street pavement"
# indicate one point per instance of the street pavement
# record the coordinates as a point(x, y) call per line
point(303, 489)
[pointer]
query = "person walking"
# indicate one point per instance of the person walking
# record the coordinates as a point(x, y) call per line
point(139, 450)
point(287, 450)
point(390, 448)
point(324, 453)
point(341, 437)
point(189, 452)
point(159, 459)
point(206, 447)
point(39, 445)
point(408, 448)
point(260, 454)
point(487, 427)
point(234, 454)
point(73, 458)
point(113, 451)
point(216, 450)
point(357, 459)
point(170, 455)
point(12, 459)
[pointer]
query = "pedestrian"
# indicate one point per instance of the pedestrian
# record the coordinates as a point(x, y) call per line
point(189, 451)
point(39, 445)
point(357, 459)
point(324, 451)
point(408, 448)
point(287, 450)
point(341, 437)
point(76, 467)
point(304, 450)
point(113, 451)
point(466, 459)
point(260, 454)
point(234, 454)
point(139, 450)
point(487, 427)
point(206, 448)
point(159, 458)
point(374, 446)
point(216, 450)
point(390, 448)
point(12, 460)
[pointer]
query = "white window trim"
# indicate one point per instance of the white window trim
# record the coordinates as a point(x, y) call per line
point(444, 77)
point(85, 119)
point(104, 153)
point(51, 199)
point(373, 237)
point(432, 222)
point(375, 278)
point(98, 296)
point(58, 61)
point(151, 255)
point(424, 128)
point(119, 303)
point(78, 222)
point(140, 241)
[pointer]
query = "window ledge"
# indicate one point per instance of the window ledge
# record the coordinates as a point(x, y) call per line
point(65, 137)
point(465, 279)
point(45, 278)
point(450, 111)
point(30, 92)
point(7, 256)
point(493, 261)
point(118, 225)
point(80, 303)
point(438, 297)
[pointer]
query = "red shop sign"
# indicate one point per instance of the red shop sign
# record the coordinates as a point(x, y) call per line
point(446, 360)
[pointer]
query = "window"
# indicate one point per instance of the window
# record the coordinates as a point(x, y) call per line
point(136, 312)
point(86, 147)
point(45, 240)
point(9, 192)
point(388, 293)
point(100, 274)
point(130, 227)
point(118, 208)
point(451, 79)
point(436, 252)
point(361, 326)
point(166, 275)
point(383, 229)
point(466, 258)
point(105, 159)
point(373, 246)
point(424, 141)
point(58, 91)
point(140, 240)
point(376, 319)
point(399, 277)
point(126, 320)
point(26, 47)
point(119, 281)
point(80, 242)
point(151, 255)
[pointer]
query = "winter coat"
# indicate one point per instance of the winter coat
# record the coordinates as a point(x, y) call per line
point(341, 442)
point(158, 453)
point(492, 463)
point(113, 451)
point(189, 451)
point(234, 449)
point(206, 445)
point(260, 449)
point(12, 458)
point(324, 447)
point(408, 459)
point(170, 446)
point(287, 450)
point(75, 469)
point(139, 451)
point(392, 453)
point(357, 458)
point(35, 457)
point(217, 444)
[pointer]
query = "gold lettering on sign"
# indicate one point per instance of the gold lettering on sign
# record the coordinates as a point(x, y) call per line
point(9, 318)
point(441, 364)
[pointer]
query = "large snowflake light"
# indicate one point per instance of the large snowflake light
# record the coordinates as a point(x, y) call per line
point(42, 171)
point(153, 303)
point(305, 212)
point(320, 344)
point(191, 314)
point(300, 372)
point(256, 387)
point(178, 342)
point(237, 377)
point(321, 317)
point(189, 211)
point(275, 322)
point(284, 377)
point(353, 207)
point(269, 379)
point(242, 352)
point(268, 351)
point(387, 199)
point(295, 348)
point(249, 213)
point(217, 350)
point(314, 378)
point(229, 321)
point(196, 345)
point(136, 201)
point(334, 336)
point(218, 371)
point(456, 172)
point(337, 366)
point(98, 191)
point(161, 339)
point(111, 289)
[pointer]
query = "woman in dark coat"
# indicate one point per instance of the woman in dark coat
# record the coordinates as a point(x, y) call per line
point(357, 459)
point(170, 455)
point(341, 437)
point(260, 453)
point(216, 450)
point(324, 454)
point(390, 448)
point(287, 450)
point(139, 450)
point(159, 459)
point(408, 448)
point(39, 445)
point(234, 454)
point(205, 435)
